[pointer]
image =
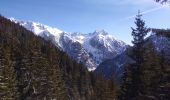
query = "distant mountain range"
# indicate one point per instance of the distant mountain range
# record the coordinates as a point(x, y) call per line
point(89, 49)
point(98, 50)
point(32, 68)
point(114, 67)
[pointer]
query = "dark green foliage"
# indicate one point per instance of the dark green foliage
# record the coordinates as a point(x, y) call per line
point(139, 34)
point(147, 78)
point(104, 89)
point(138, 54)
point(154, 77)
point(132, 82)
point(8, 89)
point(150, 73)
point(126, 87)
point(34, 69)
point(164, 83)
point(164, 32)
point(162, 1)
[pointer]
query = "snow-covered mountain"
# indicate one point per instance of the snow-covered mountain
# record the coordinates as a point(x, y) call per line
point(115, 66)
point(90, 49)
point(161, 43)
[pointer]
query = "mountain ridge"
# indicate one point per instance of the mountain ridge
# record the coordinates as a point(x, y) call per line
point(114, 67)
point(90, 49)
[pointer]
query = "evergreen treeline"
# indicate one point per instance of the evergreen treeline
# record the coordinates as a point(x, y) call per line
point(34, 69)
point(163, 1)
point(149, 77)
point(164, 32)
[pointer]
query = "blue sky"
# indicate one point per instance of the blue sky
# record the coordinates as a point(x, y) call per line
point(114, 16)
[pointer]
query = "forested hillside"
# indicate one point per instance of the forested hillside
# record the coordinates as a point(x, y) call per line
point(164, 32)
point(34, 69)
point(148, 78)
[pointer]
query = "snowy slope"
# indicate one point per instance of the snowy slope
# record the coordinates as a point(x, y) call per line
point(114, 67)
point(161, 43)
point(90, 49)
point(41, 30)
point(100, 45)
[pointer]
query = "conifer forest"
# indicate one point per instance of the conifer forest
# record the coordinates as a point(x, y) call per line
point(37, 63)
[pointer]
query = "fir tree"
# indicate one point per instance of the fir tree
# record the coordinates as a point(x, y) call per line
point(138, 34)
point(126, 87)
point(163, 1)
point(32, 68)
point(8, 82)
point(150, 74)
point(132, 74)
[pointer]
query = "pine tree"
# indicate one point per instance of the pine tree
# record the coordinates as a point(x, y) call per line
point(126, 87)
point(8, 89)
point(32, 68)
point(59, 82)
point(59, 90)
point(39, 74)
point(162, 1)
point(110, 90)
point(139, 34)
point(132, 74)
point(164, 84)
point(138, 52)
point(150, 74)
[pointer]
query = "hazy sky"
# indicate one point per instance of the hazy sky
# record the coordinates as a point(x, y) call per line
point(114, 16)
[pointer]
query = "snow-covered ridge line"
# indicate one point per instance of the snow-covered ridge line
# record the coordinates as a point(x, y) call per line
point(90, 49)
point(36, 27)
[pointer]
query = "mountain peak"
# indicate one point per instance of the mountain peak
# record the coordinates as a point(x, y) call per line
point(76, 33)
point(37, 27)
point(99, 32)
point(85, 48)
